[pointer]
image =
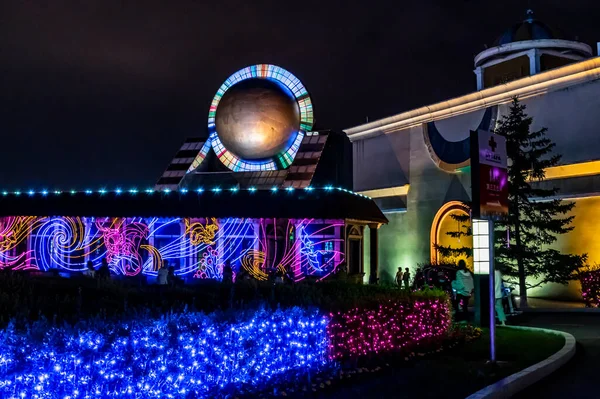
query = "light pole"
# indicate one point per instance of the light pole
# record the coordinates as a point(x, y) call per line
point(489, 189)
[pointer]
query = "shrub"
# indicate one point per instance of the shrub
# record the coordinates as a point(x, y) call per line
point(190, 355)
point(108, 339)
point(71, 299)
point(391, 327)
point(590, 286)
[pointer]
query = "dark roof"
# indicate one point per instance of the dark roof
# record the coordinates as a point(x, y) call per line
point(323, 158)
point(322, 203)
point(530, 29)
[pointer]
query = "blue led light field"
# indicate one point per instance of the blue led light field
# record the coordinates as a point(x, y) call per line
point(183, 356)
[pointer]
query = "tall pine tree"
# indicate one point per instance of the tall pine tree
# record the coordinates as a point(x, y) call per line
point(535, 216)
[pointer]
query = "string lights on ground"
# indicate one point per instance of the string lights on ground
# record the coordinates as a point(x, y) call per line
point(590, 287)
point(191, 355)
point(390, 327)
point(200, 356)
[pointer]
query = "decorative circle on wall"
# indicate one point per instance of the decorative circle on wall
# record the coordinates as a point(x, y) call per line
point(453, 155)
point(258, 119)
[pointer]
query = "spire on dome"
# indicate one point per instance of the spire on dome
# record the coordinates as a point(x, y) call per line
point(544, 46)
point(529, 17)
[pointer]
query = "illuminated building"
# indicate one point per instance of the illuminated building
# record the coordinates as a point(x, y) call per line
point(416, 163)
point(267, 193)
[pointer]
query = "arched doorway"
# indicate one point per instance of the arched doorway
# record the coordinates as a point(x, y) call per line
point(444, 223)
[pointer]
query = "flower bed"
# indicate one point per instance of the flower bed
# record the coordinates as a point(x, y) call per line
point(189, 356)
point(590, 287)
point(195, 355)
point(112, 339)
point(393, 326)
point(29, 298)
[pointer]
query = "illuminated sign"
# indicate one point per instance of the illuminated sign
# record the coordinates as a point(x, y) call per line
point(489, 175)
point(481, 246)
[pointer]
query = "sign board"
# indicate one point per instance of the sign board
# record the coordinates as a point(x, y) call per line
point(489, 175)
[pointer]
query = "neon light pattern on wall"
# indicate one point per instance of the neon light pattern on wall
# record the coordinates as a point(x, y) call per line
point(280, 161)
point(196, 248)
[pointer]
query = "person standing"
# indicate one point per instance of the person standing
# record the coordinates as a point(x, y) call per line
point(406, 278)
point(90, 272)
point(227, 275)
point(104, 271)
point(498, 288)
point(398, 279)
point(163, 274)
point(171, 278)
point(463, 286)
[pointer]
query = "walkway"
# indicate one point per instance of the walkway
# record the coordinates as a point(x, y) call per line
point(578, 378)
point(541, 303)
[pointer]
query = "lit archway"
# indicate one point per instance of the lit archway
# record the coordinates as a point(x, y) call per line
point(442, 224)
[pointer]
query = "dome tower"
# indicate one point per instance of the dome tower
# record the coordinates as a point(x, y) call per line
point(527, 48)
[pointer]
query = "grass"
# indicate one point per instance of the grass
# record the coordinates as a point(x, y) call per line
point(454, 373)
point(519, 348)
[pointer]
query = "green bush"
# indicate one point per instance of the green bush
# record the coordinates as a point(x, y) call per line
point(590, 286)
point(27, 298)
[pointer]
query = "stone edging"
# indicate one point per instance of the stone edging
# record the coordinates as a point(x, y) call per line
point(512, 384)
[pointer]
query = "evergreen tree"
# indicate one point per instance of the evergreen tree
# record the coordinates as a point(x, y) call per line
point(535, 216)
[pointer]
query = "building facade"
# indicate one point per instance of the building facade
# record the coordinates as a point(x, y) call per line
point(261, 193)
point(303, 233)
point(416, 164)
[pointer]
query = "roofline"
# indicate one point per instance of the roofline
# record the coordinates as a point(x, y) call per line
point(545, 82)
point(532, 44)
point(290, 203)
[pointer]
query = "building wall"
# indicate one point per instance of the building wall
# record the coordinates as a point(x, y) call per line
point(506, 71)
point(548, 62)
point(572, 118)
point(197, 248)
point(582, 239)
point(402, 157)
point(380, 162)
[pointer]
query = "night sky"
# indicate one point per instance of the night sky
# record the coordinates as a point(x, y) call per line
point(101, 93)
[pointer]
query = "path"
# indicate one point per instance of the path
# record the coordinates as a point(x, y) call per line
point(579, 377)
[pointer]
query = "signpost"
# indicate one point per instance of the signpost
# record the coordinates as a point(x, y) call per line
point(489, 187)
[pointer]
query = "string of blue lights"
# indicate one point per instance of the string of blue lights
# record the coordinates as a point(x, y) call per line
point(181, 356)
point(151, 191)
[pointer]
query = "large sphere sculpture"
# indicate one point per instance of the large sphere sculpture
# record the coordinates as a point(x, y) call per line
point(257, 119)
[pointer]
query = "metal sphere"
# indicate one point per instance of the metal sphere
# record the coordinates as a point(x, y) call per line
point(257, 119)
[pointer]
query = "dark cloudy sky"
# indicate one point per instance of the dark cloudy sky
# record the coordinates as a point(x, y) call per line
point(102, 92)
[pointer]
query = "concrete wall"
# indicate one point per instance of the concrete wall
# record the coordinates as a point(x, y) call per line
point(582, 239)
point(380, 162)
point(573, 118)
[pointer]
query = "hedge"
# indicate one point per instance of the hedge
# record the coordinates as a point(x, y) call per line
point(590, 287)
point(69, 299)
point(87, 338)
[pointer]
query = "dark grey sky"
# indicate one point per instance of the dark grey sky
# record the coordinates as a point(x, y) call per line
point(102, 92)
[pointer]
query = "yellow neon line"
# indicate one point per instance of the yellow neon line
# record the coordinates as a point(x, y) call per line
point(387, 192)
point(530, 86)
point(573, 170)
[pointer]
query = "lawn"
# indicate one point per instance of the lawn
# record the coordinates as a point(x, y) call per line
point(454, 373)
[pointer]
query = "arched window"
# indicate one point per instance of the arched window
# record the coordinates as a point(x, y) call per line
point(443, 223)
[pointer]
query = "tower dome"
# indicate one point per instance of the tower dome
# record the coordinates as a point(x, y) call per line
point(530, 29)
point(527, 48)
